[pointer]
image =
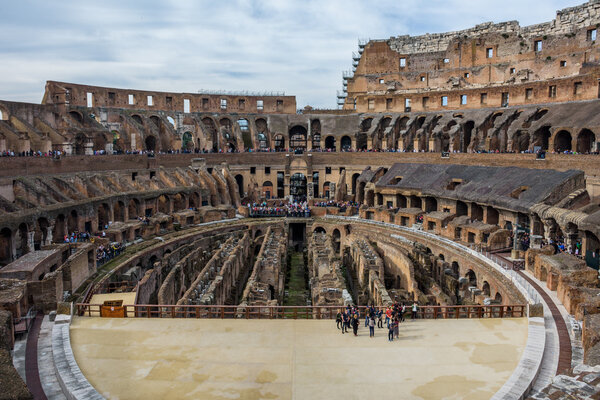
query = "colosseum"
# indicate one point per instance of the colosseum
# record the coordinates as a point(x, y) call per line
point(227, 245)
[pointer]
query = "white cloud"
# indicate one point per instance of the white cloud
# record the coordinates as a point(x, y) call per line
point(300, 47)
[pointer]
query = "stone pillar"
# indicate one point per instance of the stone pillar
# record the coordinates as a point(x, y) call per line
point(416, 144)
point(431, 145)
point(89, 148)
point(400, 145)
point(30, 242)
point(49, 233)
point(549, 229)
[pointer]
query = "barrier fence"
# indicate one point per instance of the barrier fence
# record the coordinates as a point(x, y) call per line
point(288, 312)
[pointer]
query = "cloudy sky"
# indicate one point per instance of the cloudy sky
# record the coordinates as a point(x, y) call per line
point(296, 47)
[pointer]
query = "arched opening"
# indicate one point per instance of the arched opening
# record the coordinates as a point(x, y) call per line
point(262, 141)
point(258, 233)
point(461, 208)
point(73, 222)
point(23, 245)
point(354, 179)
point(156, 121)
point(212, 132)
point(179, 202)
point(471, 277)
point(137, 119)
point(455, 269)
point(150, 143)
point(58, 232)
point(240, 182)
point(245, 130)
point(133, 208)
point(379, 199)
point(492, 216)
point(298, 138)
point(401, 201)
point(315, 131)
point(520, 141)
point(80, 142)
point(41, 233)
point(320, 229)
point(486, 288)
point(431, 204)
point(360, 195)
point(370, 198)
point(267, 190)
point(163, 204)
point(279, 143)
point(541, 138)
point(195, 201)
point(476, 212)
point(103, 216)
point(298, 187)
point(76, 116)
point(316, 185)
point(365, 125)
point(498, 298)
point(171, 121)
point(326, 190)
point(330, 143)
point(187, 141)
point(585, 141)
point(416, 202)
point(346, 143)
point(336, 239)
point(467, 132)
point(119, 211)
point(562, 141)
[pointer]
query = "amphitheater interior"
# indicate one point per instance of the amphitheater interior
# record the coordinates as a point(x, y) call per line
point(173, 245)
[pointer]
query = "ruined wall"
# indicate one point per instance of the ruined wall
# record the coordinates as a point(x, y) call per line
point(490, 65)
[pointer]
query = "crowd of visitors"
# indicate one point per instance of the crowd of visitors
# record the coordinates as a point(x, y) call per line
point(295, 209)
point(105, 254)
point(393, 315)
point(338, 204)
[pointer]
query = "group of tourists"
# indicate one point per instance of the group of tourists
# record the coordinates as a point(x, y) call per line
point(295, 209)
point(390, 316)
point(338, 204)
point(108, 252)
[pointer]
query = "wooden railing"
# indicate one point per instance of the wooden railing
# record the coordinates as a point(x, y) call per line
point(290, 312)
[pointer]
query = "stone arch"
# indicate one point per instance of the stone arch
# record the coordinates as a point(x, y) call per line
point(40, 236)
point(354, 180)
point(401, 201)
point(279, 142)
point(150, 143)
point(461, 208)
point(455, 268)
point(498, 298)
point(297, 137)
point(80, 142)
point(365, 125)
point(119, 211)
point(336, 238)
point(187, 141)
point(156, 121)
point(346, 143)
point(77, 116)
point(360, 194)
point(319, 229)
point(585, 141)
point(370, 198)
point(3, 114)
point(431, 204)
point(73, 222)
point(541, 137)
point(133, 208)
point(520, 141)
point(315, 131)
point(563, 141)
point(493, 216)
point(103, 216)
point(467, 135)
point(137, 118)
point(239, 179)
point(330, 143)
point(485, 288)
point(179, 202)
point(471, 277)
point(211, 128)
point(23, 239)
point(58, 232)
point(195, 200)
point(267, 190)
point(163, 204)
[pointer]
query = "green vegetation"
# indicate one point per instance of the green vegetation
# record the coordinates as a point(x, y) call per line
point(296, 281)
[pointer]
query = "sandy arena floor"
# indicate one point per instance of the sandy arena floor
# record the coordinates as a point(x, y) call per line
point(283, 359)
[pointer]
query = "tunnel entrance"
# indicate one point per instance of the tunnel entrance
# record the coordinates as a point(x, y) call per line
point(297, 235)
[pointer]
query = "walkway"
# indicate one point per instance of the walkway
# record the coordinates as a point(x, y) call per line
point(31, 360)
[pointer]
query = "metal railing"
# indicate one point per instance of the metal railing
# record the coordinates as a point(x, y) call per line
point(291, 312)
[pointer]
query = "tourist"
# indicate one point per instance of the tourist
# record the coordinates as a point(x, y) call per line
point(414, 310)
point(380, 318)
point(346, 321)
point(390, 332)
point(338, 319)
point(396, 328)
point(388, 316)
point(371, 327)
point(355, 324)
